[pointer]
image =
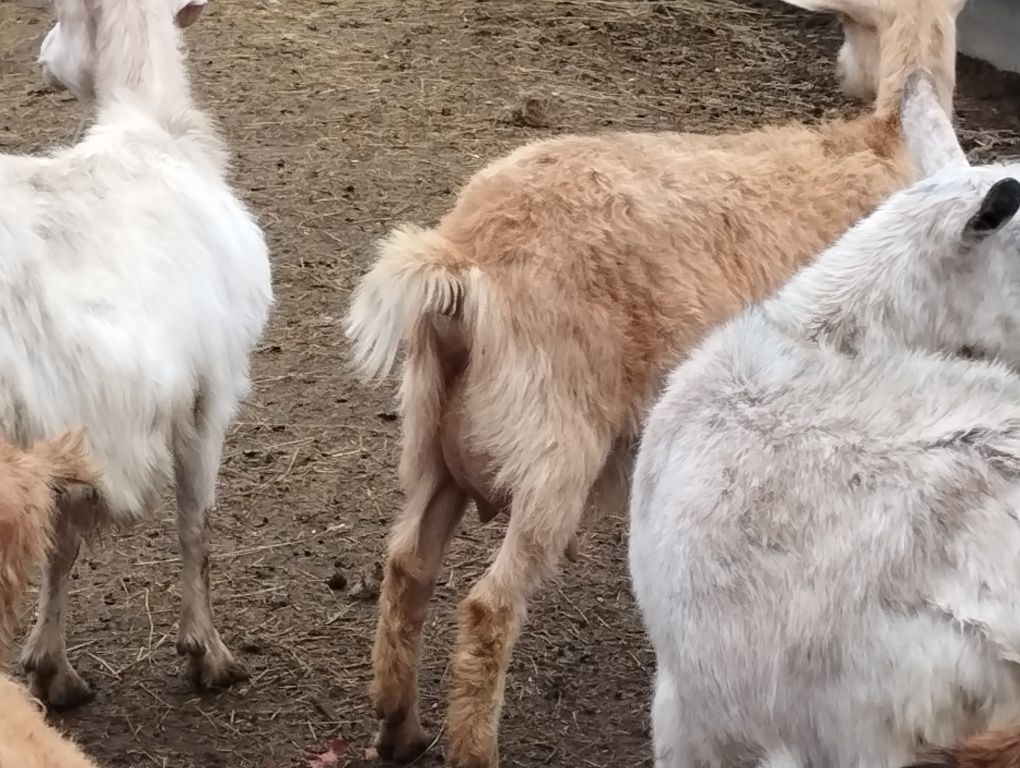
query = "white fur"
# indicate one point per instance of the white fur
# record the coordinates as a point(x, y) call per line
point(66, 51)
point(930, 137)
point(824, 534)
point(134, 285)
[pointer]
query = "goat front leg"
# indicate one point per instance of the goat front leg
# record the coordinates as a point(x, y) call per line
point(210, 663)
point(53, 680)
point(542, 525)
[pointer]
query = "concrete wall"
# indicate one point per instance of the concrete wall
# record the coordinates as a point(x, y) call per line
point(990, 30)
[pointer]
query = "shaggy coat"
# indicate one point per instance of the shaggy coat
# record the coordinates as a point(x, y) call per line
point(134, 285)
point(27, 740)
point(541, 315)
point(824, 506)
point(28, 482)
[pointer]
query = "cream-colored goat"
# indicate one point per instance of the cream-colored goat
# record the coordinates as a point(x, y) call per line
point(28, 481)
point(27, 740)
point(540, 316)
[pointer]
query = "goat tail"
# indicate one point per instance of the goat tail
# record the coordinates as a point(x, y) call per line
point(418, 273)
point(991, 749)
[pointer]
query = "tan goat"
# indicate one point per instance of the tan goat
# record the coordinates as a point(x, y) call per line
point(28, 482)
point(26, 739)
point(539, 318)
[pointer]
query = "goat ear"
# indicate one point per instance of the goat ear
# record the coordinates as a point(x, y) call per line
point(866, 12)
point(997, 209)
point(927, 129)
point(186, 12)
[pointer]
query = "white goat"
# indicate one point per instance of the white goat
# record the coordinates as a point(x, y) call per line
point(823, 523)
point(134, 285)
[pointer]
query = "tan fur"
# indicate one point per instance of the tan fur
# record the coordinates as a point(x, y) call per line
point(27, 740)
point(914, 34)
point(28, 481)
point(540, 316)
point(993, 749)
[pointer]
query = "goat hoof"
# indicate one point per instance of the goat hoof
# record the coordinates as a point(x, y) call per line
point(190, 645)
point(60, 692)
point(400, 743)
point(207, 676)
point(210, 665)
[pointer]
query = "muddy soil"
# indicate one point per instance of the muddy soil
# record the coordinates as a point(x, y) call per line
point(346, 117)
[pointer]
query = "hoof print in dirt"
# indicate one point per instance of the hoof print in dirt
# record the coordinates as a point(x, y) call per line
point(365, 588)
point(252, 646)
point(533, 113)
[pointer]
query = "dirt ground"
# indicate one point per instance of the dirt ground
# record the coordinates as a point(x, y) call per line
point(346, 117)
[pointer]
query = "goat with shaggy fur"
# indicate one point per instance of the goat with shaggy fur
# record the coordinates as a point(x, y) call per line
point(29, 481)
point(134, 285)
point(823, 524)
point(541, 314)
point(27, 740)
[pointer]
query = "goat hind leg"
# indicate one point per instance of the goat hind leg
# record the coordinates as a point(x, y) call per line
point(435, 507)
point(673, 743)
point(53, 679)
point(542, 524)
point(196, 464)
